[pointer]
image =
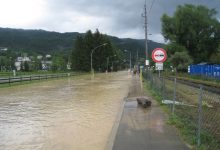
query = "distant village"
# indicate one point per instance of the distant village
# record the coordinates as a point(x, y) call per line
point(26, 63)
point(44, 60)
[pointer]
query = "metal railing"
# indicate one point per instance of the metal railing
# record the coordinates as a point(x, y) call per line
point(9, 80)
point(196, 107)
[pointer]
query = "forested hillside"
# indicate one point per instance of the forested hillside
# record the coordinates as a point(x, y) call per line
point(43, 42)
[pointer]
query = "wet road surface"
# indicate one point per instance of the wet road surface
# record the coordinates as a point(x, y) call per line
point(145, 128)
point(67, 114)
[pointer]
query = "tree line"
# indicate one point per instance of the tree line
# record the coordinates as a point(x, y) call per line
point(193, 36)
point(105, 55)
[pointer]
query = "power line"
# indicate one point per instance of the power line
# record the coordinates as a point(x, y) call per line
point(151, 5)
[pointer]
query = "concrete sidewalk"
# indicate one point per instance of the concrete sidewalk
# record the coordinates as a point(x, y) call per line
point(145, 128)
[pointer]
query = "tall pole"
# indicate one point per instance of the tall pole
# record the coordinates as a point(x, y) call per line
point(112, 67)
point(92, 71)
point(107, 63)
point(130, 61)
point(91, 63)
point(145, 27)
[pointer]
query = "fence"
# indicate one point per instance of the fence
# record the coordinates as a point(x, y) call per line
point(211, 71)
point(9, 80)
point(195, 107)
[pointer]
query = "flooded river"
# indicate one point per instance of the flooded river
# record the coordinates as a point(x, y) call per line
point(74, 113)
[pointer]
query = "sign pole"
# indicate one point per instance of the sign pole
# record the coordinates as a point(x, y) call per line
point(159, 73)
point(159, 55)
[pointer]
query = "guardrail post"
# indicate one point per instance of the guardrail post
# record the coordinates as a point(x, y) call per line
point(163, 88)
point(21, 79)
point(30, 77)
point(174, 96)
point(9, 80)
point(199, 116)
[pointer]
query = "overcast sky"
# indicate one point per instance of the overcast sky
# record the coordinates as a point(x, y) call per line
point(121, 18)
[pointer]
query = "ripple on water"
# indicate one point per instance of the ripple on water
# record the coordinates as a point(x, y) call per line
point(61, 114)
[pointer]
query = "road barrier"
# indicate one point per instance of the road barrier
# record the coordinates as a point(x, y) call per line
point(195, 109)
point(9, 80)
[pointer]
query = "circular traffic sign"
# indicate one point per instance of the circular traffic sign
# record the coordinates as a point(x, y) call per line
point(159, 55)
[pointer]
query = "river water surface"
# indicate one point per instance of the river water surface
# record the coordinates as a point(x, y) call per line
point(75, 113)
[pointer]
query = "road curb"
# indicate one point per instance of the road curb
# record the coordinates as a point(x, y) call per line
point(114, 130)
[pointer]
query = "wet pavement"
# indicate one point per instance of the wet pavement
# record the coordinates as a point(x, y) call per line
point(145, 128)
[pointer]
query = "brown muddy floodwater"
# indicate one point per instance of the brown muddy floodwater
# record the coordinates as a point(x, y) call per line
point(74, 113)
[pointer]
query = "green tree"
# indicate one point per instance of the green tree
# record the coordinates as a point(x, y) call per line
point(83, 46)
point(79, 55)
point(3, 63)
point(215, 57)
point(195, 28)
point(171, 48)
point(180, 60)
point(58, 63)
point(26, 66)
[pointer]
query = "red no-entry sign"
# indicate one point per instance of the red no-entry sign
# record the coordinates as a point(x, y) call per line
point(159, 55)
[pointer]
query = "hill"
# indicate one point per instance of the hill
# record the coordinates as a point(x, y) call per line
point(43, 42)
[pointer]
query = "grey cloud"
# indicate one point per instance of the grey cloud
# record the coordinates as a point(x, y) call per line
point(118, 17)
point(169, 6)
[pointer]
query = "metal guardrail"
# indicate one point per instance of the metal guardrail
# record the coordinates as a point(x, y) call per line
point(9, 80)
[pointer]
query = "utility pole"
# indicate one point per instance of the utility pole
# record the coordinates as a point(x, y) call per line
point(130, 61)
point(145, 28)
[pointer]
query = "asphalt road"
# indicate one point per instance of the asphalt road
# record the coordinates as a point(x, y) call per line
point(145, 128)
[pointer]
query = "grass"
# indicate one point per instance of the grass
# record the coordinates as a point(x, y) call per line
point(184, 92)
point(196, 79)
point(185, 119)
point(184, 127)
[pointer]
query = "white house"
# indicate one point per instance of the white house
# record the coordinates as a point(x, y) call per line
point(20, 60)
point(39, 57)
point(3, 48)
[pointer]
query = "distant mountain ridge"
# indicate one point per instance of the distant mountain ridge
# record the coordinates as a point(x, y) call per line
point(43, 42)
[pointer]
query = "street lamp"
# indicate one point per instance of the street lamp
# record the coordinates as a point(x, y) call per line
point(108, 61)
point(130, 58)
point(91, 56)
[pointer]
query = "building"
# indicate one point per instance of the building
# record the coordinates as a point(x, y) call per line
point(3, 49)
point(20, 60)
point(46, 65)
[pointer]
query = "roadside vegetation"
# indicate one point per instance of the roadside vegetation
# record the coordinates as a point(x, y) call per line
point(99, 48)
point(193, 78)
point(193, 35)
point(185, 117)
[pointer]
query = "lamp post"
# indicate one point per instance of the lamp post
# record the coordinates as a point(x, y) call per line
point(108, 61)
point(92, 71)
point(130, 58)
